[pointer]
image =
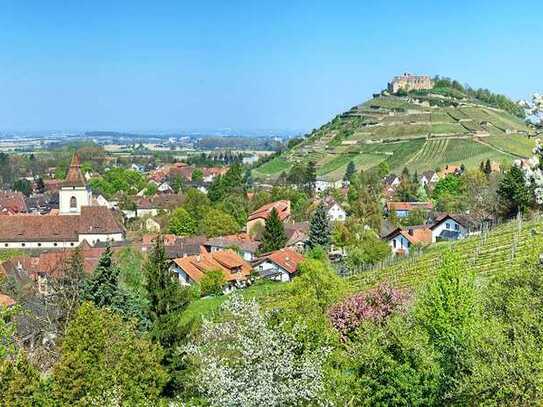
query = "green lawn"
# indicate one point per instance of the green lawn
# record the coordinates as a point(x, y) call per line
point(206, 307)
point(274, 166)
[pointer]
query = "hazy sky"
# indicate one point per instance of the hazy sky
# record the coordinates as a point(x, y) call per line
point(148, 65)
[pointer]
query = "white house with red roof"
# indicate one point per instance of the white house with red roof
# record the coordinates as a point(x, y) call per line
point(280, 265)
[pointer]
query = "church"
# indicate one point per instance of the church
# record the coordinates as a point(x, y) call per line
point(77, 220)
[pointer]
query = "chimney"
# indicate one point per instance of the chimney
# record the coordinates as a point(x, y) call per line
point(411, 232)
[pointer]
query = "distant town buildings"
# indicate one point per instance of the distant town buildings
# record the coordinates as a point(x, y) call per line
point(409, 82)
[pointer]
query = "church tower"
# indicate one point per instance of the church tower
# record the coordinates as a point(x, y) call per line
point(74, 192)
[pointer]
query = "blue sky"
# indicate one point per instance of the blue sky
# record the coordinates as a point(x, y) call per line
point(167, 65)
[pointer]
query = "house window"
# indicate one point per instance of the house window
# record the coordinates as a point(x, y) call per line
point(448, 225)
point(73, 202)
point(23, 244)
point(456, 226)
point(394, 243)
point(55, 244)
point(6, 245)
point(39, 244)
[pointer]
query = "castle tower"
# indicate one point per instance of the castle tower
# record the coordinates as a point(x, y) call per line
point(73, 192)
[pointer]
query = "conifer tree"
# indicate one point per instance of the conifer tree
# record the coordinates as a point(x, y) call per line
point(488, 167)
point(349, 171)
point(102, 288)
point(319, 228)
point(167, 300)
point(273, 236)
point(310, 177)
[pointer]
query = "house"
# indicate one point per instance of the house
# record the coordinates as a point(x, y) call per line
point(403, 209)
point(175, 246)
point(243, 243)
point(12, 203)
point(390, 183)
point(334, 210)
point(297, 235)
point(401, 240)
point(50, 263)
point(152, 206)
point(451, 227)
point(428, 178)
point(191, 269)
point(75, 222)
point(408, 82)
point(280, 265)
point(210, 173)
point(257, 220)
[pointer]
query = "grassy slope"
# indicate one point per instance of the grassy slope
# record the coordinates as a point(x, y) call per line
point(368, 134)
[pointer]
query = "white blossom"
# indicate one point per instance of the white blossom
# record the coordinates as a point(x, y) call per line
point(243, 361)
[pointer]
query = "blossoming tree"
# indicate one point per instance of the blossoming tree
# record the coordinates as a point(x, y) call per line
point(244, 361)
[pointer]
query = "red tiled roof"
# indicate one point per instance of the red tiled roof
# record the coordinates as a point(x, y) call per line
point(282, 208)
point(287, 259)
point(58, 228)
point(409, 206)
point(12, 202)
point(242, 240)
point(227, 261)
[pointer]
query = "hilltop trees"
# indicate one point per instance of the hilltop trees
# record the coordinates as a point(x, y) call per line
point(273, 236)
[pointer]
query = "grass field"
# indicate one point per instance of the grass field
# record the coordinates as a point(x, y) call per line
point(520, 145)
point(206, 307)
point(274, 166)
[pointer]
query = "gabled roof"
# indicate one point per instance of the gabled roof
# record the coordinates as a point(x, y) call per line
point(242, 240)
point(74, 178)
point(419, 234)
point(282, 208)
point(409, 206)
point(58, 228)
point(234, 268)
point(287, 259)
point(464, 220)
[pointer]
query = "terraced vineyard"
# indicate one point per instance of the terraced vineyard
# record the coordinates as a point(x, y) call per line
point(413, 131)
point(509, 245)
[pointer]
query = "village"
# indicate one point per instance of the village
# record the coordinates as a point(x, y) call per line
point(38, 234)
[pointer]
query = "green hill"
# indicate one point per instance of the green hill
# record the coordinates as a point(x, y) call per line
point(423, 130)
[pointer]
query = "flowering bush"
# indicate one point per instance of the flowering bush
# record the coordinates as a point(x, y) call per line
point(533, 171)
point(374, 305)
point(243, 361)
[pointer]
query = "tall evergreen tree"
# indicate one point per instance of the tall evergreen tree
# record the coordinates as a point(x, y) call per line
point(310, 177)
point(349, 171)
point(274, 236)
point(102, 288)
point(488, 167)
point(167, 300)
point(105, 291)
point(319, 228)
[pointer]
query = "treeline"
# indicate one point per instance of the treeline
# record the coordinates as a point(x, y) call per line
point(225, 142)
point(219, 158)
point(483, 95)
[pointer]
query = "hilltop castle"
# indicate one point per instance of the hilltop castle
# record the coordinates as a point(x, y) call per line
point(409, 82)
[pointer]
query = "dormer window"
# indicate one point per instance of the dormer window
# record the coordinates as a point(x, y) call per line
point(73, 202)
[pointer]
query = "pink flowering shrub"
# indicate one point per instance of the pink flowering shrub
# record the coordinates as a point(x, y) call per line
point(374, 305)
